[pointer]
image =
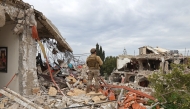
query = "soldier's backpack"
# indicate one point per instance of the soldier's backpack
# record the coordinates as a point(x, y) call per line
point(92, 62)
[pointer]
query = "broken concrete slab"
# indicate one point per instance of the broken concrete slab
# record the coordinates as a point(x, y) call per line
point(96, 99)
point(46, 107)
point(52, 91)
point(4, 100)
point(14, 106)
point(2, 105)
point(74, 105)
point(102, 97)
point(59, 104)
point(19, 99)
point(92, 93)
point(72, 79)
point(81, 98)
point(35, 90)
point(75, 92)
point(39, 101)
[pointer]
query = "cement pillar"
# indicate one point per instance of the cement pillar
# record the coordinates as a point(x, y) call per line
point(166, 69)
point(27, 62)
point(140, 65)
point(162, 63)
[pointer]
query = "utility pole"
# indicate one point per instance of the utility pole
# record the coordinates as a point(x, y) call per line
point(187, 53)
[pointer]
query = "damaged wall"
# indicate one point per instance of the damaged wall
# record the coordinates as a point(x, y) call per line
point(27, 62)
point(11, 41)
point(24, 19)
point(122, 62)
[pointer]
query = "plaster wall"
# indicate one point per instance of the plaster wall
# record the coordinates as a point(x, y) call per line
point(11, 41)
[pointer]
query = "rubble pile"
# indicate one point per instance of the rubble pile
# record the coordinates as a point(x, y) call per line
point(53, 100)
point(7, 103)
point(62, 85)
point(72, 82)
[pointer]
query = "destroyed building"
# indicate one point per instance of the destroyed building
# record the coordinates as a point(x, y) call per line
point(36, 84)
point(17, 19)
point(137, 68)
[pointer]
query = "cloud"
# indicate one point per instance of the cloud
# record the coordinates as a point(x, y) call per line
point(119, 24)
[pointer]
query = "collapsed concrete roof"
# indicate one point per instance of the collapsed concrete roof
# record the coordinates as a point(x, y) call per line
point(46, 29)
point(156, 50)
point(161, 50)
point(62, 45)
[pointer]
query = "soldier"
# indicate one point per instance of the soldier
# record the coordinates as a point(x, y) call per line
point(93, 62)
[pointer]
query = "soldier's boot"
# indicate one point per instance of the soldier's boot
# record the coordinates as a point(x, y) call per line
point(96, 89)
point(88, 89)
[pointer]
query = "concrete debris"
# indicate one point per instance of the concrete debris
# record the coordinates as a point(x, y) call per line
point(74, 105)
point(108, 106)
point(96, 99)
point(71, 79)
point(1, 105)
point(18, 98)
point(52, 91)
point(77, 98)
point(35, 90)
point(92, 93)
point(129, 91)
point(4, 101)
point(83, 98)
point(14, 106)
point(48, 97)
point(75, 92)
point(102, 97)
point(60, 105)
point(46, 107)
point(39, 101)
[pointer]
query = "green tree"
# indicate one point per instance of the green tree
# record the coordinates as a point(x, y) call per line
point(109, 65)
point(103, 56)
point(97, 49)
point(172, 89)
point(101, 53)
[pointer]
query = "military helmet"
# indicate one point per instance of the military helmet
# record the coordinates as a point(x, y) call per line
point(92, 50)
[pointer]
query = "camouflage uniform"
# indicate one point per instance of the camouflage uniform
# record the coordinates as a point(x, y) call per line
point(93, 62)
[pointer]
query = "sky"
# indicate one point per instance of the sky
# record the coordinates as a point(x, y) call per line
point(119, 24)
